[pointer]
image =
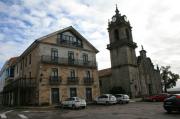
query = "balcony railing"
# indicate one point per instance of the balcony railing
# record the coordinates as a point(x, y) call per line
point(21, 83)
point(88, 80)
point(73, 80)
point(55, 80)
point(121, 42)
point(70, 43)
point(66, 61)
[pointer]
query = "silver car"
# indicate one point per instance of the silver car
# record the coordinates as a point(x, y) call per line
point(122, 98)
point(106, 99)
point(74, 103)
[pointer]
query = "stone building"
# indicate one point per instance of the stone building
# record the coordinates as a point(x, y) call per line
point(135, 75)
point(53, 68)
point(6, 75)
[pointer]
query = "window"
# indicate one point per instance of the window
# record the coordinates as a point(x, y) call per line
point(54, 73)
point(72, 73)
point(73, 92)
point(71, 57)
point(17, 68)
point(54, 54)
point(25, 61)
point(21, 65)
point(69, 40)
point(127, 34)
point(29, 58)
point(85, 58)
point(116, 34)
point(88, 74)
point(100, 83)
point(29, 74)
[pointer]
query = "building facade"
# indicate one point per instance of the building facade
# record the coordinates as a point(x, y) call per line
point(135, 75)
point(6, 75)
point(53, 68)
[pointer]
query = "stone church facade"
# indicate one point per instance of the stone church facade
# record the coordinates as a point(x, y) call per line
point(135, 75)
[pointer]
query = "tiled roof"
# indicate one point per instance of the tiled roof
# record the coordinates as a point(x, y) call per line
point(105, 72)
point(12, 60)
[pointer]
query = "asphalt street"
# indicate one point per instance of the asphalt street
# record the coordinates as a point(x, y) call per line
point(135, 110)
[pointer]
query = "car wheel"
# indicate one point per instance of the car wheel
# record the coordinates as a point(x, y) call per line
point(73, 107)
point(83, 107)
point(107, 103)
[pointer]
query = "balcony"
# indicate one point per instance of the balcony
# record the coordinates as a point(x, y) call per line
point(68, 62)
point(70, 41)
point(121, 42)
point(88, 80)
point(73, 80)
point(21, 83)
point(9, 80)
point(55, 80)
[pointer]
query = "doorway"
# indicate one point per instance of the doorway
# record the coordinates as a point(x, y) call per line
point(55, 95)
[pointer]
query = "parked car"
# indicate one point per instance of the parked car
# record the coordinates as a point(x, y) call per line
point(159, 97)
point(106, 99)
point(172, 103)
point(74, 103)
point(122, 98)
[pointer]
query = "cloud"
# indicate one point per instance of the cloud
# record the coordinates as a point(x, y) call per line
point(155, 25)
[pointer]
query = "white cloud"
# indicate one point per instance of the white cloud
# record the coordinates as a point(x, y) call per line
point(155, 25)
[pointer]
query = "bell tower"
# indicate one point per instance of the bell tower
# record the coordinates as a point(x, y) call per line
point(122, 52)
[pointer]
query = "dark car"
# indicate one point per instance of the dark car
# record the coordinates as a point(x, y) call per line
point(172, 103)
point(159, 97)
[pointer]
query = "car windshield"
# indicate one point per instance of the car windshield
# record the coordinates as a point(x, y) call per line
point(172, 97)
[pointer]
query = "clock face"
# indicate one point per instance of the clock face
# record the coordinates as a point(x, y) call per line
point(114, 19)
point(125, 18)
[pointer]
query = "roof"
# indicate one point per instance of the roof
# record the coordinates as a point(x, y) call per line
point(12, 60)
point(105, 72)
point(70, 28)
point(8, 63)
point(37, 41)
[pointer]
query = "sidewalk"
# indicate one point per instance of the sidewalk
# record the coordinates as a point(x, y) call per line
point(53, 107)
point(136, 100)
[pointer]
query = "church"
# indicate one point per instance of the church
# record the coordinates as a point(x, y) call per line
point(135, 75)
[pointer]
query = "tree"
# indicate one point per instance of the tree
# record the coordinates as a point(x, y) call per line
point(169, 78)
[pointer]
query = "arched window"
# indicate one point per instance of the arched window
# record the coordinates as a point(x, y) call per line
point(116, 34)
point(127, 34)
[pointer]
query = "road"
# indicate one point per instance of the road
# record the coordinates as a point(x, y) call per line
point(136, 110)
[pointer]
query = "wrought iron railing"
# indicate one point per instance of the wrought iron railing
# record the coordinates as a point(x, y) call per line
point(55, 80)
point(67, 61)
point(73, 80)
point(88, 80)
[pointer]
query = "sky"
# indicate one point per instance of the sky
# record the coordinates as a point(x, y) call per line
point(156, 26)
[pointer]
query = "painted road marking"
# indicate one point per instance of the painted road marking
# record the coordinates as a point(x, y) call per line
point(3, 115)
point(22, 116)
